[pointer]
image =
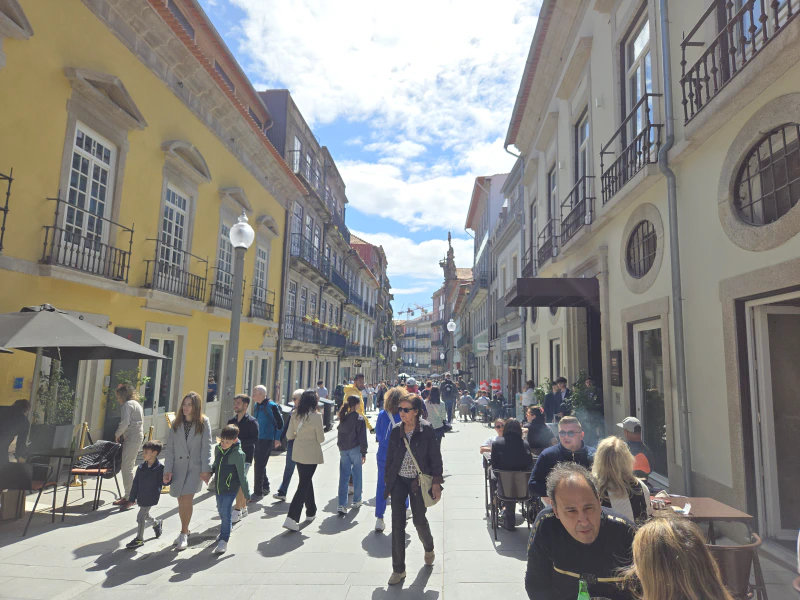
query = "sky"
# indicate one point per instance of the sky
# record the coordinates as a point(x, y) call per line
point(413, 101)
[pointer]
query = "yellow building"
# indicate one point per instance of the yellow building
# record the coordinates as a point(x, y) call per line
point(135, 142)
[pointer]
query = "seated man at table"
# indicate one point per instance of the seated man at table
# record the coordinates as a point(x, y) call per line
point(570, 449)
point(642, 455)
point(576, 539)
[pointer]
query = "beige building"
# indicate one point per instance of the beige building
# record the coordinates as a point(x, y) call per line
point(416, 345)
point(597, 108)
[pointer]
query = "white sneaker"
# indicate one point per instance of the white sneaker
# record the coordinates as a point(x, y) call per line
point(236, 516)
point(244, 511)
point(380, 525)
point(357, 504)
point(342, 510)
point(291, 524)
point(279, 496)
point(222, 546)
point(182, 542)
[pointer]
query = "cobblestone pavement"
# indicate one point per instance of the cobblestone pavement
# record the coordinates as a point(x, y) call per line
point(86, 558)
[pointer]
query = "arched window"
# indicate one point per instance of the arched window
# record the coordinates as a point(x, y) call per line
point(768, 184)
point(641, 251)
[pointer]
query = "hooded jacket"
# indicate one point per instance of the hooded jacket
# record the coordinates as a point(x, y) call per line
point(228, 470)
point(549, 458)
point(352, 433)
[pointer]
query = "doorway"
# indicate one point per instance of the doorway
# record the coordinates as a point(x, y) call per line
point(648, 365)
point(773, 353)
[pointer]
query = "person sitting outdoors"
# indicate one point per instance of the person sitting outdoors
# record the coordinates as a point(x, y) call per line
point(539, 435)
point(486, 446)
point(511, 453)
point(619, 489)
point(663, 551)
point(483, 405)
point(577, 542)
point(642, 455)
point(14, 423)
point(570, 449)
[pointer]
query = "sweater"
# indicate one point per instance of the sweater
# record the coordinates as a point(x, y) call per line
point(352, 433)
point(248, 435)
point(147, 484)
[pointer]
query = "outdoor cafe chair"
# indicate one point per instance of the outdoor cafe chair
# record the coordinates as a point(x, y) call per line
point(510, 486)
point(101, 460)
point(735, 564)
point(29, 477)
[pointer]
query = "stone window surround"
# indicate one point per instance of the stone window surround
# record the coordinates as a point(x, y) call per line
point(643, 212)
point(13, 24)
point(779, 111)
point(182, 333)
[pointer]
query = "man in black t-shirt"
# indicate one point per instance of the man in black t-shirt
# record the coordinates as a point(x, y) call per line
point(577, 539)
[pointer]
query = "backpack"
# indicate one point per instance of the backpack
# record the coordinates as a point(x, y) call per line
point(338, 393)
point(277, 415)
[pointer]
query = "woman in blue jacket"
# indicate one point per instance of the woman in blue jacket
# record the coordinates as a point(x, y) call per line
point(387, 419)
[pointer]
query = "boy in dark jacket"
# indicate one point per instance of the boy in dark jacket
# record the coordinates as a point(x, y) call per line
point(230, 477)
point(146, 490)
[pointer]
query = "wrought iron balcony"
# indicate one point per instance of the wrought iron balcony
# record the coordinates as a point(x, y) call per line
point(579, 206)
point(640, 151)
point(339, 281)
point(546, 242)
point(301, 247)
point(367, 351)
point(352, 349)
point(172, 272)
point(424, 336)
point(262, 304)
point(502, 311)
point(222, 290)
point(355, 299)
point(743, 33)
point(297, 329)
point(8, 179)
point(435, 343)
point(338, 222)
point(529, 262)
point(80, 239)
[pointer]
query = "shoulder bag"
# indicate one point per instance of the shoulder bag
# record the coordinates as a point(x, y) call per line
point(425, 481)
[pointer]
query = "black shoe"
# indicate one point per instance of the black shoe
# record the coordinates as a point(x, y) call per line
point(135, 543)
point(158, 528)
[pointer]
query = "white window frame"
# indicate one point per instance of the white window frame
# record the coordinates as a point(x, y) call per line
point(636, 69)
point(224, 278)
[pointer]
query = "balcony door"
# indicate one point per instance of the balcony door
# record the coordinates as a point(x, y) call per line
point(172, 242)
point(638, 75)
point(160, 390)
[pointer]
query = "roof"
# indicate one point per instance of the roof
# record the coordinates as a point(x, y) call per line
point(354, 239)
point(473, 203)
point(534, 54)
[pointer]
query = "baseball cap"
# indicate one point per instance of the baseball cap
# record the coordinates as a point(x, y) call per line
point(630, 424)
point(411, 381)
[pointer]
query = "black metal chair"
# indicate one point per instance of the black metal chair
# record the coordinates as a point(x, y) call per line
point(101, 460)
point(29, 477)
point(735, 564)
point(510, 486)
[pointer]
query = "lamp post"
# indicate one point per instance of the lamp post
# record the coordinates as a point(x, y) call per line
point(451, 327)
point(241, 236)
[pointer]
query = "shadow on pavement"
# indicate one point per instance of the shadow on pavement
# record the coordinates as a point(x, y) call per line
point(282, 544)
point(378, 544)
point(414, 590)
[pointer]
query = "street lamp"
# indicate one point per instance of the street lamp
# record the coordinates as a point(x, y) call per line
point(241, 236)
point(451, 326)
point(441, 356)
point(394, 347)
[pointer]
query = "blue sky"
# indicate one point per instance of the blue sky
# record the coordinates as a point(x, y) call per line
point(413, 103)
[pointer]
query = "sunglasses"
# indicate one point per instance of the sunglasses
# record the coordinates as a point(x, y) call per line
point(568, 434)
point(404, 409)
point(498, 426)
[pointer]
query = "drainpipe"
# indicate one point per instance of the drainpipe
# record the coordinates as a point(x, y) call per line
point(282, 307)
point(675, 258)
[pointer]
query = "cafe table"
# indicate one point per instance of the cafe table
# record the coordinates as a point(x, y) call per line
point(710, 511)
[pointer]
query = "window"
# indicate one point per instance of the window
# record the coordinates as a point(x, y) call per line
point(640, 253)
point(583, 156)
point(552, 193)
point(555, 359)
point(638, 74)
point(335, 315)
point(173, 233)
point(160, 374)
point(260, 276)
point(291, 298)
point(307, 167)
point(309, 226)
point(225, 262)
point(331, 320)
point(535, 363)
point(297, 218)
point(296, 153)
point(768, 185)
point(303, 308)
point(317, 237)
point(218, 68)
point(324, 311)
point(216, 365)
point(313, 305)
point(180, 17)
point(255, 118)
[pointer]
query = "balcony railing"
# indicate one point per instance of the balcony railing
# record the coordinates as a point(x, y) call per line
point(529, 262)
point(222, 291)
point(742, 35)
point(301, 247)
point(435, 343)
point(79, 239)
point(462, 341)
point(367, 351)
point(296, 328)
point(546, 242)
point(171, 272)
point(355, 299)
point(579, 206)
point(338, 222)
point(423, 336)
point(640, 151)
point(502, 311)
point(8, 179)
point(352, 350)
point(339, 281)
point(262, 304)
point(481, 280)
point(309, 171)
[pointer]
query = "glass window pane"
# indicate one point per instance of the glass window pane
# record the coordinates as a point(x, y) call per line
point(165, 381)
point(651, 388)
point(215, 362)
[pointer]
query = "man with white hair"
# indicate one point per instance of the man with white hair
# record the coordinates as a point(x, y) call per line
point(270, 425)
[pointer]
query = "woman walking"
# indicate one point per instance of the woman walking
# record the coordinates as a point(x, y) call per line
point(387, 419)
point(352, 443)
point(437, 412)
point(412, 445)
point(305, 428)
point(187, 459)
point(619, 489)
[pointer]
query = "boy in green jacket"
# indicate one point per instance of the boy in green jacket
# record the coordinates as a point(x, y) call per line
point(230, 476)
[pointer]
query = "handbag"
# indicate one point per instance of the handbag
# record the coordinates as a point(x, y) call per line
point(425, 481)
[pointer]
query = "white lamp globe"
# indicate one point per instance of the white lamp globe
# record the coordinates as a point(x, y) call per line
point(241, 234)
point(394, 347)
point(441, 356)
point(451, 326)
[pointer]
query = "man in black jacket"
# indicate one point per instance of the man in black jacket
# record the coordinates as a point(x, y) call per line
point(550, 405)
point(577, 540)
point(570, 449)
point(449, 391)
point(248, 438)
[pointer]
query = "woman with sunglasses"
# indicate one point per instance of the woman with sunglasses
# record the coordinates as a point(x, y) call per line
point(486, 447)
point(416, 435)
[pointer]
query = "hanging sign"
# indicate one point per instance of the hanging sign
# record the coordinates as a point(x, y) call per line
point(495, 385)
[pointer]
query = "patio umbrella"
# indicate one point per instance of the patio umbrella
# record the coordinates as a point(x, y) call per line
point(60, 335)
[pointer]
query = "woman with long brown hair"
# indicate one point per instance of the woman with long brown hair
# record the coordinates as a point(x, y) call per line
point(187, 459)
point(672, 562)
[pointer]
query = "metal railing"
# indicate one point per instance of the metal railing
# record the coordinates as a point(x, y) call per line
point(529, 262)
point(310, 171)
point(296, 328)
point(262, 304)
point(4, 209)
point(222, 292)
point(742, 35)
point(579, 204)
point(79, 239)
point(640, 151)
point(352, 349)
point(437, 343)
point(423, 336)
point(338, 222)
point(501, 310)
point(462, 341)
point(355, 299)
point(169, 273)
point(301, 247)
point(546, 242)
point(339, 281)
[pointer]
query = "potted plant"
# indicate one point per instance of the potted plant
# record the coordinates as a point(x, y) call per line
point(56, 405)
point(133, 378)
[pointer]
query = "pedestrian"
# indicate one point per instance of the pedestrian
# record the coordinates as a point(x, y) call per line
point(248, 438)
point(528, 397)
point(306, 430)
point(413, 450)
point(146, 491)
point(449, 391)
point(352, 444)
point(381, 395)
point(338, 394)
point(14, 424)
point(358, 388)
point(230, 479)
point(551, 404)
point(130, 434)
point(188, 460)
point(387, 419)
point(270, 424)
point(437, 413)
point(288, 469)
point(425, 394)
point(322, 391)
point(619, 489)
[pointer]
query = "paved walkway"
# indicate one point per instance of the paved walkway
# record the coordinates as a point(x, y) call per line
point(86, 556)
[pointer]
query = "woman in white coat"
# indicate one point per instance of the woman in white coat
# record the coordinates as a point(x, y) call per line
point(187, 460)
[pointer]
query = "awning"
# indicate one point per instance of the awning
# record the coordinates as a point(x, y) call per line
point(555, 292)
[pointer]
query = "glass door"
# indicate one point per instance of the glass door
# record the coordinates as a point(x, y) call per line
point(248, 375)
point(160, 373)
point(649, 381)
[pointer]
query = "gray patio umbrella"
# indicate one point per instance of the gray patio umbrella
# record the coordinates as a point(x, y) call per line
point(60, 335)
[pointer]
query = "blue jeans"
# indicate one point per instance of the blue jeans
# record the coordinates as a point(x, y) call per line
point(349, 464)
point(450, 404)
point(288, 470)
point(225, 510)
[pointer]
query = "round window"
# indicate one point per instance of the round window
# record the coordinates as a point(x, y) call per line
point(768, 185)
point(641, 251)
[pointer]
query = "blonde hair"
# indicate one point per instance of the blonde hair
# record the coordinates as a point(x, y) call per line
point(672, 562)
point(392, 399)
point(613, 468)
point(198, 418)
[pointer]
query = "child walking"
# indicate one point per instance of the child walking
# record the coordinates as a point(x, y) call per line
point(352, 444)
point(230, 477)
point(146, 491)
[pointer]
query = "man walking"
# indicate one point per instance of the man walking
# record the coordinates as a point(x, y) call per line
point(248, 439)
point(270, 424)
point(322, 391)
point(563, 407)
point(449, 392)
point(642, 455)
